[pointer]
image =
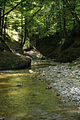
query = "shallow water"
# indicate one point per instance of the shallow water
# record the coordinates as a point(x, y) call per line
point(24, 97)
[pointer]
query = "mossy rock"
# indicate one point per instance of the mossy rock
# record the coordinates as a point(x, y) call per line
point(9, 60)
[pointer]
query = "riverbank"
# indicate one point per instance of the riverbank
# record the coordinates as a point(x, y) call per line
point(64, 80)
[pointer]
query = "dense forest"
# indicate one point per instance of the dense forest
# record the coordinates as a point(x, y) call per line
point(50, 26)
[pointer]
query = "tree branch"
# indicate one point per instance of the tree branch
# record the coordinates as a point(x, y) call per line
point(12, 8)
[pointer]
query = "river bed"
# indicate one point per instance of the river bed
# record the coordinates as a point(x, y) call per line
point(24, 97)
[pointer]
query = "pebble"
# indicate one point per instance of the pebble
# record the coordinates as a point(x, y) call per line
point(2, 118)
point(49, 87)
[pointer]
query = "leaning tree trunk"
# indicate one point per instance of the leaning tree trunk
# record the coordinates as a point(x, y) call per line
point(5, 26)
point(25, 31)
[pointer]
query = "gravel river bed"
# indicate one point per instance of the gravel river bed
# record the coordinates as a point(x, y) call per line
point(64, 80)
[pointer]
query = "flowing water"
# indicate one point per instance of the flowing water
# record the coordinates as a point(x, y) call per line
point(24, 97)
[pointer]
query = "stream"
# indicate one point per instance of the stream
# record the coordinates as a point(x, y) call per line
point(24, 97)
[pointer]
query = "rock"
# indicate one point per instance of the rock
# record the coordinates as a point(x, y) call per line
point(9, 61)
point(49, 87)
point(57, 94)
point(30, 71)
point(2, 118)
point(39, 79)
point(19, 85)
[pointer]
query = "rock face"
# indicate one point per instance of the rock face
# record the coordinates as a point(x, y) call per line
point(10, 60)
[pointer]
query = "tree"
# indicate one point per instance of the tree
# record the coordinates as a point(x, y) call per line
point(39, 18)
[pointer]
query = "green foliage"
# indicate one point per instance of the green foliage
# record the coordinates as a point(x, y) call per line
point(43, 17)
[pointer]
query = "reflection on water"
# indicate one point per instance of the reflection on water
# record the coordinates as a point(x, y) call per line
point(23, 97)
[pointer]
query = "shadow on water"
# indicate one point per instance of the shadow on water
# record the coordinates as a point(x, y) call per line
point(24, 97)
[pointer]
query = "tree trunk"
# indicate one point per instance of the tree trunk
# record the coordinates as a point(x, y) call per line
point(3, 19)
point(25, 31)
point(22, 36)
point(64, 19)
point(60, 15)
point(5, 25)
point(0, 23)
